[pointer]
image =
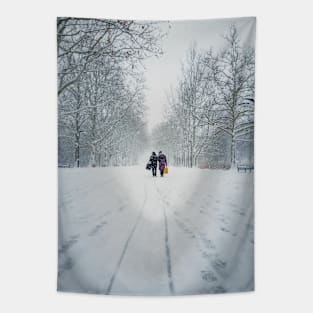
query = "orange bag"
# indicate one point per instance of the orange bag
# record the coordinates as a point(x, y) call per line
point(166, 170)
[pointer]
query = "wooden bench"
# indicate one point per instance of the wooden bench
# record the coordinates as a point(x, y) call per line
point(245, 168)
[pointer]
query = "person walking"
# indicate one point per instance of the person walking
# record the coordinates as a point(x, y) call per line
point(154, 163)
point(162, 162)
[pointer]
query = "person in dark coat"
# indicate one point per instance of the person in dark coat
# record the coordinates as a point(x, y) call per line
point(162, 162)
point(154, 163)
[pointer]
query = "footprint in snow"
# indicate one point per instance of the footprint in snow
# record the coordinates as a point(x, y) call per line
point(208, 276)
point(207, 243)
point(218, 264)
point(67, 244)
point(95, 230)
point(67, 265)
point(218, 289)
point(224, 229)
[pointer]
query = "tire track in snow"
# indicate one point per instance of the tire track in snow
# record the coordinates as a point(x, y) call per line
point(168, 255)
point(127, 243)
point(205, 246)
point(167, 245)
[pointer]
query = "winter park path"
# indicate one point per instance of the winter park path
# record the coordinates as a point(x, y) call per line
point(123, 231)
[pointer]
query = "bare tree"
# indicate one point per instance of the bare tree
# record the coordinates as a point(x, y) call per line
point(212, 107)
point(234, 76)
point(81, 42)
point(101, 86)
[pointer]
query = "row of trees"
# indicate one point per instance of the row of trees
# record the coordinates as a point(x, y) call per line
point(100, 89)
point(211, 111)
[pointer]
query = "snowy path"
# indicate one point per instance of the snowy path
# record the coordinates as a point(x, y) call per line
point(124, 232)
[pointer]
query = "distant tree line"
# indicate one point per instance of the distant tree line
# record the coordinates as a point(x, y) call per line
point(210, 118)
point(100, 89)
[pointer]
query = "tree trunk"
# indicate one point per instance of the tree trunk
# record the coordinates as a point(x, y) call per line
point(233, 153)
point(92, 161)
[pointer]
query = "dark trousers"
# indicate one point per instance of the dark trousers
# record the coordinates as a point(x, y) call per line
point(154, 170)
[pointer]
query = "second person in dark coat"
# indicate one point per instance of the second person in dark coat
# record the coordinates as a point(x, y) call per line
point(162, 162)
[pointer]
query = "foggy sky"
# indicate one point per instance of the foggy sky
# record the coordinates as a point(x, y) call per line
point(162, 73)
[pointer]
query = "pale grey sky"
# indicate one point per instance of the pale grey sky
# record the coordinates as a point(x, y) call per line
point(161, 73)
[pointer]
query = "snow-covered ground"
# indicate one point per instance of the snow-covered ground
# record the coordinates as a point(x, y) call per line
point(122, 231)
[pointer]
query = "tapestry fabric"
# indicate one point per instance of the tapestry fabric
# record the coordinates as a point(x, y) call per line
point(155, 156)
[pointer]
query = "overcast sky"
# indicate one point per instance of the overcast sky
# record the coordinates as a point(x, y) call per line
point(161, 73)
